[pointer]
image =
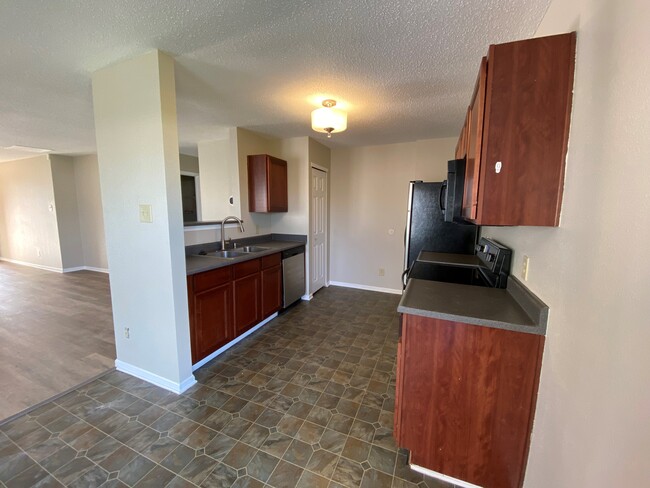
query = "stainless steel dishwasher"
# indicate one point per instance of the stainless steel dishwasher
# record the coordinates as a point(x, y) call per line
point(293, 275)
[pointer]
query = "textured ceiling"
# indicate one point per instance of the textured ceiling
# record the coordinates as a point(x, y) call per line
point(404, 69)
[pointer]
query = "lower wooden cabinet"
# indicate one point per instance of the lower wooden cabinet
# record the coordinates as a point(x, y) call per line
point(271, 284)
point(226, 302)
point(465, 399)
point(213, 319)
point(247, 302)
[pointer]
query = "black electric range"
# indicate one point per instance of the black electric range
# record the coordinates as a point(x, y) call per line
point(490, 266)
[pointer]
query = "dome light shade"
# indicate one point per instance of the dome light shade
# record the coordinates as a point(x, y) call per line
point(329, 119)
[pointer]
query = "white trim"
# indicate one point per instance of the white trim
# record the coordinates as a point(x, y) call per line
point(85, 268)
point(307, 298)
point(232, 343)
point(72, 270)
point(33, 265)
point(56, 270)
point(318, 166)
point(154, 379)
point(193, 228)
point(366, 287)
point(96, 270)
point(197, 191)
point(442, 477)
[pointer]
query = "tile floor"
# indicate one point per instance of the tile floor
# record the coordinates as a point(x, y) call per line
point(307, 401)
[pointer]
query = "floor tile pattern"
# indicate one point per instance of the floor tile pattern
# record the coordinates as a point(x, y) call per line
point(307, 401)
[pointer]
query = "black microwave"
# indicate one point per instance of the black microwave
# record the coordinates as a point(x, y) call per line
point(451, 193)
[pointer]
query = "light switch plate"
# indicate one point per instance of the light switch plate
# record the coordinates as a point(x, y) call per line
point(145, 214)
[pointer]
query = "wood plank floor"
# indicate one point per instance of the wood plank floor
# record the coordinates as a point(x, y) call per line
point(56, 331)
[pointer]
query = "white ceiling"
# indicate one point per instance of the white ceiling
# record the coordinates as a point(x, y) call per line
point(404, 69)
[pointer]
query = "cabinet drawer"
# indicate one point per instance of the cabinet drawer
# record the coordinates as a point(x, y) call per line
point(246, 268)
point(212, 278)
point(270, 261)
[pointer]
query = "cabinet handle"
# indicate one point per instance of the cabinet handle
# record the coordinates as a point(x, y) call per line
point(497, 167)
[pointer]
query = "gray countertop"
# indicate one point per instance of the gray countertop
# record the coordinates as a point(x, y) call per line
point(514, 308)
point(198, 264)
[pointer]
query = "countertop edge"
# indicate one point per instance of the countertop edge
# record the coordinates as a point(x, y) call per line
point(529, 304)
point(216, 263)
point(465, 319)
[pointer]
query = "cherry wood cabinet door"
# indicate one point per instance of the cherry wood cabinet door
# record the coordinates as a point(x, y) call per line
point(525, 135)
point(474, 135)
point(461, 145)
point(213, 327)
point(465, 399)
point(277, 185)
point(271, 290)
point(267, 184)
point(246, 302)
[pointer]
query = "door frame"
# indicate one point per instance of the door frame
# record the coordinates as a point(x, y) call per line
point(197, 187)
point(327, 227)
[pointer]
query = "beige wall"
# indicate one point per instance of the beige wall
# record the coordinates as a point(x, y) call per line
point(369, 193)
point(592, 425)
point(134, 106)
point(219, 178)
point(28, 226)
point(91, 218)
point(189, 163)
point(67, 212)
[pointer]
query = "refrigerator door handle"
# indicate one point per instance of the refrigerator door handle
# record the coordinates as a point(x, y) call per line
point(443, 189)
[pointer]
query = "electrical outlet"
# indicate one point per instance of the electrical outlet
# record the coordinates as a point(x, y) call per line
point(381, 272)
point(524, 268)
point(127, 333)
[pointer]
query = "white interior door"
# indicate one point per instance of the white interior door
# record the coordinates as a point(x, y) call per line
point(318, 237)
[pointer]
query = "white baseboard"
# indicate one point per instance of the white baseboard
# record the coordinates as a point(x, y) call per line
point(52, 268)
point(85, 268)
point(307, 298)
point(442, 477)
point(233, 342)
point(33, 265)
point(154, 379)
point(96, 270)
point(72, 270)
point(366, 287)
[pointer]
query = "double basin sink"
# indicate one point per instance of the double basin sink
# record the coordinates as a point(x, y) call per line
point(235, 253)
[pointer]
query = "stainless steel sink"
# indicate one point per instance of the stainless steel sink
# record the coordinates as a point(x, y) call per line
point(226, 254)
point(252, 249)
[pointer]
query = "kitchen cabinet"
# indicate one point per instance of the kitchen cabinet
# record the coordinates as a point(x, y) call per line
point(247, 295)
point(465, 399)
point(226, 302)
point(517, 133)
point(474, 137)
point(271, 277)
point(267, 184)
point(210, 305)
point(461, 145)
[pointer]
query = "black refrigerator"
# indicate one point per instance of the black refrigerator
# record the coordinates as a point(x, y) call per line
point(426, 229)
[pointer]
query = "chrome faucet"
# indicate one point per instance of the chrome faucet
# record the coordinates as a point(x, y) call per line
point(223, 229)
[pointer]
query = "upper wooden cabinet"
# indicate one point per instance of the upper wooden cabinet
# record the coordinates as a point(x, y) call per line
point(267, 184)
point(517, 133)
point(474, 138)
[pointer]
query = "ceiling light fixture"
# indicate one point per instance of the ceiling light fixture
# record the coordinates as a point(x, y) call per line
point(329, 119)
